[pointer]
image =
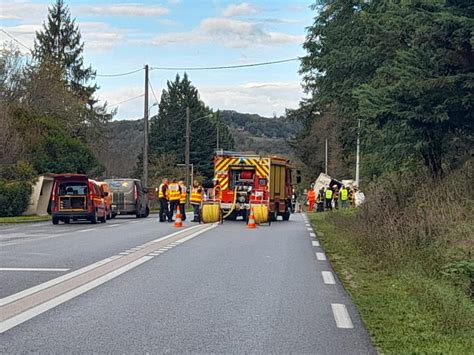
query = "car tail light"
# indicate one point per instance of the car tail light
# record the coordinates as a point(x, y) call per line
point(135, 193)
point(54, 198)
point(91, 194)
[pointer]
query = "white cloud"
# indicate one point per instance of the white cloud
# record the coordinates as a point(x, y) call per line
point(263, 98)
point(228, 32)
point(127, 110)
point(124, 10)
point(22, 10)
point(100, 36)
point(241, 9)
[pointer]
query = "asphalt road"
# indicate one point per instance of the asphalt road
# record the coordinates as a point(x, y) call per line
point(228, 290)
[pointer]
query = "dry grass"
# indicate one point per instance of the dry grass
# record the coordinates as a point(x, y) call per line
point(420, 221)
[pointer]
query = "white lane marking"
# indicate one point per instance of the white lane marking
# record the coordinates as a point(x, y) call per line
point(86, 230)
point(343, 320)
point(34, 289)
point(308, 225)
point(312, 235)
point(55, 281)
point(30, 269)
point(328, 277)
point(310, 229)
point(113, 225)
point(315, 243)
point(124, 253)
point(33, 312)
point(320, 256)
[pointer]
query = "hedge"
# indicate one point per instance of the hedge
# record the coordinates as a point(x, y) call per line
point(14, 198)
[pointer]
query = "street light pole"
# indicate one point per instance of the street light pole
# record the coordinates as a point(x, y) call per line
point(326, 159)
point(145, 131)
point(358, 155)
point(186, 153)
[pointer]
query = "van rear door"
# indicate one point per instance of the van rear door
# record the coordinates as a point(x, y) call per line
point(71, 193)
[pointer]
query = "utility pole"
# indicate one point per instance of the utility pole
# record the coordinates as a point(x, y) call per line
point(326, 160)
point(186, 153)
point(358, 155)
point(145, 131)
point(217, 127)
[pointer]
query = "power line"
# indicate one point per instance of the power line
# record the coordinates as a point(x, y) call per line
point(226, 66)
point(127, 100)
point(153, 91)
point(16, 40)
point(120, 74)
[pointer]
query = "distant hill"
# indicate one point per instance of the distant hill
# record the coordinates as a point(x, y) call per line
point(251, 132)
point(259, 134)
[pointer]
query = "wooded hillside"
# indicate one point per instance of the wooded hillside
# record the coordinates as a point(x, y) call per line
point(251, 132)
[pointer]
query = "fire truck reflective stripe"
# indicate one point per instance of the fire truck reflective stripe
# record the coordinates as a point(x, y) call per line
point(220, 165)
point(261, 171)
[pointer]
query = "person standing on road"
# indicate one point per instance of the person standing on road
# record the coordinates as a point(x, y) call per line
point(182, 200)
point(174, 195)
point(196, 198)
point(216, 189)
point(344, 197)
point(320, 202)
point(328, 194)
point(163, 199)
point(335, 196)
point(311, 199)
point(305, 200)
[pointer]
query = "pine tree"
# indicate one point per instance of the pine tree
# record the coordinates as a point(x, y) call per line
point(168, 129)
point(59, 43)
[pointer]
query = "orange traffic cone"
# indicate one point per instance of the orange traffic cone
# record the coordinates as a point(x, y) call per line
point(178, 223)
point(251, 224)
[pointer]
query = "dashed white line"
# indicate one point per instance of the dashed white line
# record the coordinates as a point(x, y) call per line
point(343, 320)
point(113, 225)
point(315, 243)
point(86, 230)
point(310, 229)
point(320, 256)
point(312, 235)
point(30, 269)
point(328, 277)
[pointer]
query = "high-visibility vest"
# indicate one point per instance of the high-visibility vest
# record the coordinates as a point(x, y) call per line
point(328, 194)
point(160, 191)
point(196, 196)
point(311, 195)
point(173, 192)
point(344, 194)
point(182, 198)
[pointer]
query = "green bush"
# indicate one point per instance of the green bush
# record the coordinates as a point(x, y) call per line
point(14, 198)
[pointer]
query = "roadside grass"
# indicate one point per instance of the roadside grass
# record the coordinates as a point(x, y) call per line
point(24, 219)
point(405, 309)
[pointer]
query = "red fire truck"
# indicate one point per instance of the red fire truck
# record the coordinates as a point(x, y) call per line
point(247, 179)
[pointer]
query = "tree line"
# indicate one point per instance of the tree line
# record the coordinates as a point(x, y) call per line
point(51, 120)
point(404, 70)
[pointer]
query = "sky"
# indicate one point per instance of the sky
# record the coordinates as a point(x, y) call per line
point(122, 36)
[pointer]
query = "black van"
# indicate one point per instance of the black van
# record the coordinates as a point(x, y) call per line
point(128, 197)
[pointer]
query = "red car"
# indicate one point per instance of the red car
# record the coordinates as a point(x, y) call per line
point(74, 197)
